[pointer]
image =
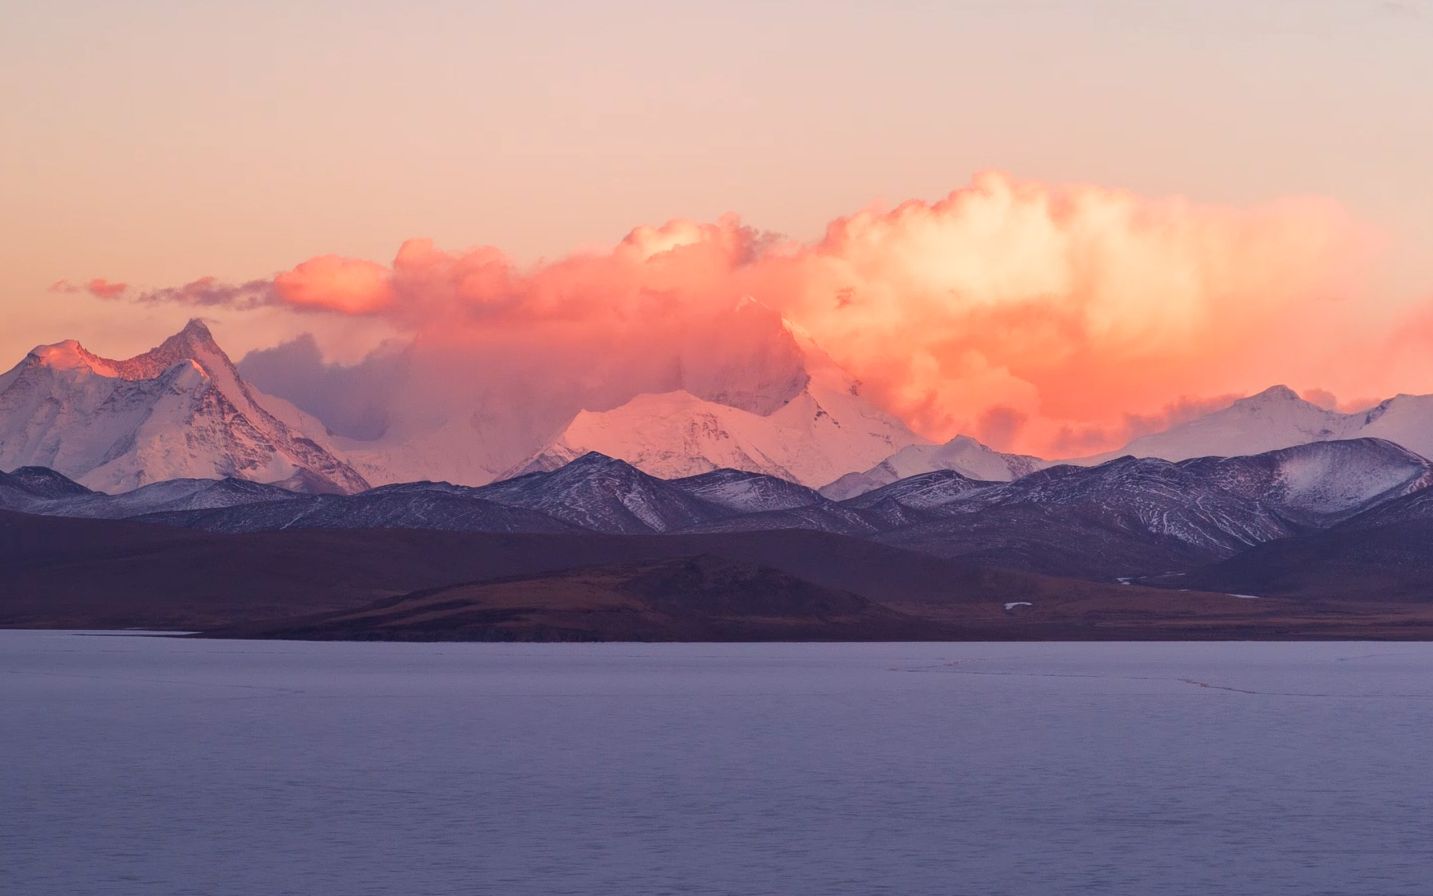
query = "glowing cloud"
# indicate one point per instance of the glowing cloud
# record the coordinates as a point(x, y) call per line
point(1031, 316)
point(332, 283)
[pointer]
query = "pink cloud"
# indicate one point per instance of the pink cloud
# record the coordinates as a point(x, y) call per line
point(98, 287)
point(1035, 314)
point(334, 283)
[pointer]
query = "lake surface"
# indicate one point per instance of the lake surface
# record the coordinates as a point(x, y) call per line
point(139, 765)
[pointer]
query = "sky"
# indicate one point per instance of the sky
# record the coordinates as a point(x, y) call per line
point(1122, 209)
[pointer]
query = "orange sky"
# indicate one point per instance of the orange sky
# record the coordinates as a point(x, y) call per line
point(158, 144)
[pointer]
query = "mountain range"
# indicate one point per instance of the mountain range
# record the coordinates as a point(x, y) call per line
point(1121, 520)
point(1271, 496)
point(185, 410)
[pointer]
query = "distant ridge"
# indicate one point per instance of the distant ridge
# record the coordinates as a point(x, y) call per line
point(1278, 418)
point(1127, 518)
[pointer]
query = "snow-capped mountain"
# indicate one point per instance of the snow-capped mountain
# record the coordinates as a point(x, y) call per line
point(1278, 418)
point(1273, 419)
point(470, 415)
point(771, 404)
point(824, 431)
point(961, 454)
point(178, 411)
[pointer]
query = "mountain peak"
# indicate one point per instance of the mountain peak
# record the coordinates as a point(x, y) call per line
point(68, 355)
point(967, 441)
point(1273, 393)
point(594, 459)
point(597, 462)
point(1274, 418)
point(194, 336)
point(193, 343)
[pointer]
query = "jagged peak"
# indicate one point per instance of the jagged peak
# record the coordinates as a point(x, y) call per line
point(192, 343)
point(196, 327)
point(194, 336)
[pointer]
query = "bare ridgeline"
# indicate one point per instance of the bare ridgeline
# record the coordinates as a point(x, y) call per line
point(165, 492)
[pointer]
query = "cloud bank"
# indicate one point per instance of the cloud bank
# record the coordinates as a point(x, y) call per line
point(1043, 318)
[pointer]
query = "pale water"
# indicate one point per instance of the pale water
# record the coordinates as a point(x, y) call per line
point(134, 765)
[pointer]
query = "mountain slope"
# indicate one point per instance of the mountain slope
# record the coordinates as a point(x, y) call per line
point(178, 411)
point(1361, 561)
point(962, 455)
point(1318, 484)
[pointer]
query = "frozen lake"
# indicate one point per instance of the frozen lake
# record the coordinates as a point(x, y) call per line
point(134, 765)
